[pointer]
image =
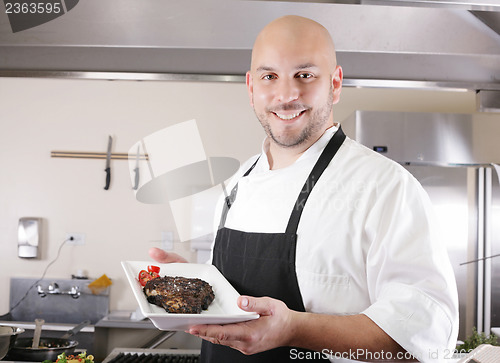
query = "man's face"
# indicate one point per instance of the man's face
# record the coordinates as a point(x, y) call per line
point(292, 90)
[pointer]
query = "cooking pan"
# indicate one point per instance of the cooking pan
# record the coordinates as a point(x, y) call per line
point(48, 348)
point(8, 336)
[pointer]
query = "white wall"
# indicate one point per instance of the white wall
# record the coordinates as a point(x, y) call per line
point(38, 116)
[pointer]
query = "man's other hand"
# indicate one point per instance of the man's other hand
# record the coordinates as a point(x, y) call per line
point(162, 256)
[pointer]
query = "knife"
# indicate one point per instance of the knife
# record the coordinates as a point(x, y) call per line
point(136, 170)
point(108, 163)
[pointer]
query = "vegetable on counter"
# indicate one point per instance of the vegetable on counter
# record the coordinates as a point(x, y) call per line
point(99, 285)
point(80, 358)
point(476, 339)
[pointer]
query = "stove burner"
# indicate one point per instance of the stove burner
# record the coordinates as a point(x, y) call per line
point(155, 358)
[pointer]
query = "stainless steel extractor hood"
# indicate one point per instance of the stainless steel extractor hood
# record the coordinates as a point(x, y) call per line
point(417, 138)
point(378, 43)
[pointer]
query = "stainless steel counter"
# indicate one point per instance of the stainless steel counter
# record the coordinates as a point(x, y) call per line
point(124, 319)
point(58, 327)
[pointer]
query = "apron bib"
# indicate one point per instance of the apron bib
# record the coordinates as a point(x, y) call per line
point(263, 264)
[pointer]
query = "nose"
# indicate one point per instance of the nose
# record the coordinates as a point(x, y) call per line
point(287, 90)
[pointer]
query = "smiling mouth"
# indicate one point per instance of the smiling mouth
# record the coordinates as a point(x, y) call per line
point(288, 117)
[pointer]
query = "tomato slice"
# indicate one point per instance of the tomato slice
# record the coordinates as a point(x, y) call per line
point(152, 268)
point(145, 276)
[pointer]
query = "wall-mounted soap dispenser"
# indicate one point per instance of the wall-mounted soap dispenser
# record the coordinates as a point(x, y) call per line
point(29, 233)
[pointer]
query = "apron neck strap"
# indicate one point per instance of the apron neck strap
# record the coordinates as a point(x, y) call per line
point(326, 156)
point(229, 199)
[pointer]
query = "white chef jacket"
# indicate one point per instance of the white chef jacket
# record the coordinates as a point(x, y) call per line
point(366, 242)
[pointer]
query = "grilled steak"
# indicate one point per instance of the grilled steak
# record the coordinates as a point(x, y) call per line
point(179, 294)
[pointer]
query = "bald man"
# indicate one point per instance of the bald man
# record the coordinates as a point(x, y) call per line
point(331, 243)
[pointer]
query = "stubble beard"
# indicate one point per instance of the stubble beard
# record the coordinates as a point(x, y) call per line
point(318, 120)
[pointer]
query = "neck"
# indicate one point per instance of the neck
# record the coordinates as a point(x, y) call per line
point(280, 157)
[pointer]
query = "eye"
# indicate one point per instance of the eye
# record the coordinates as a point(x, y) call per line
point(305, 75)
point(268, 77)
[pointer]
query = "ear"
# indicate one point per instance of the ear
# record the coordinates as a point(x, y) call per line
point(249, 82)
point(337, 83)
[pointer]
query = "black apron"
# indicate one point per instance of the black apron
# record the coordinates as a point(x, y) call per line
point(263, 264)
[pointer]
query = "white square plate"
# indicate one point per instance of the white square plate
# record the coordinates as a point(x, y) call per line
point(223, 310)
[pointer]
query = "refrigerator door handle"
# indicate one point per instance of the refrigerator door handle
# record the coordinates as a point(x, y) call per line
point(487, 248)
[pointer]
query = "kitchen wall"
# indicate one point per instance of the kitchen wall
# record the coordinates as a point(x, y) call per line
point(38, 116)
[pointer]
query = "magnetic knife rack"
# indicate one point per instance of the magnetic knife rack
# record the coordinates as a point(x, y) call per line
point(96, 155)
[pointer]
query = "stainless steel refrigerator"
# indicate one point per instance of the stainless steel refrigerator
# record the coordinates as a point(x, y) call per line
point(446, 154)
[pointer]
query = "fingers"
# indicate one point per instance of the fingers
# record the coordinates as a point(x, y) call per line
point(260, 305)
point(161, 256)
point(233, 335)
point(251, 336)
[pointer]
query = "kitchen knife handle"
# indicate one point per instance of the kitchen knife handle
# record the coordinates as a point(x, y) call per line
point(108, 177)
point(136, 181)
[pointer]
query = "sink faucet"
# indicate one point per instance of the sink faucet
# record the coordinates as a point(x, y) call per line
point(53, 289)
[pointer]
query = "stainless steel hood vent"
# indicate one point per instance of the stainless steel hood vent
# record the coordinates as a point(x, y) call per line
point(424, 42)
point(414, 138)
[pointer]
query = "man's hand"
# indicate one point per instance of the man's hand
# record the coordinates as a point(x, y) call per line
point(271, 330)
point(161, 256)
point(279, 326)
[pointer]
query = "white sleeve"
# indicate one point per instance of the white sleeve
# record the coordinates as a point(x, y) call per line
point(410, 279)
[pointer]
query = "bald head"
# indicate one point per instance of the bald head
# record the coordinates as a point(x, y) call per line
point(298, 32)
